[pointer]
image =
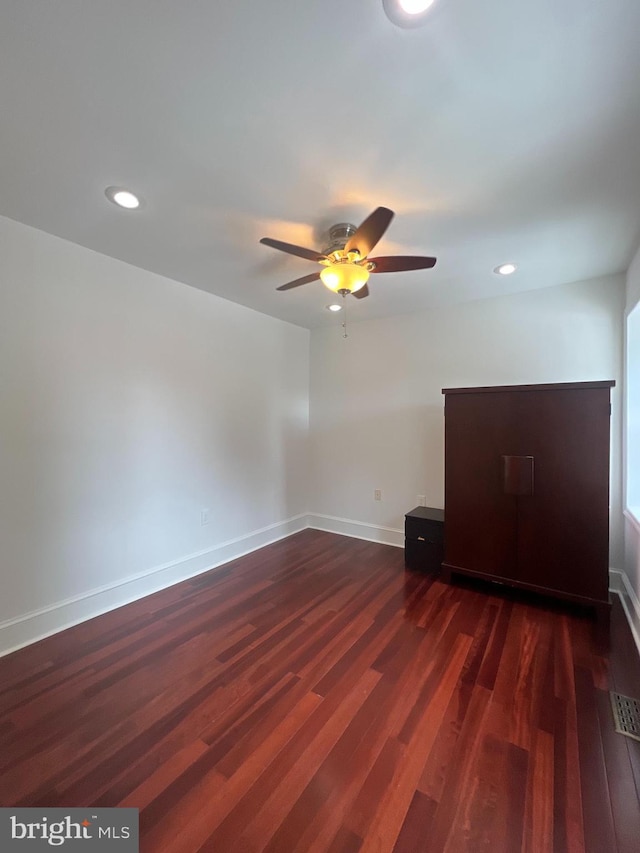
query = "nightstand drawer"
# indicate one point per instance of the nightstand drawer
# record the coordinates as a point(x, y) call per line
point(423, 529)
point(423, 556)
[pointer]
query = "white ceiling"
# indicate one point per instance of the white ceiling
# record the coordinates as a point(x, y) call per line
point(501, 130)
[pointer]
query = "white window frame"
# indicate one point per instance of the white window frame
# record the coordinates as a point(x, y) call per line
point(632, 417)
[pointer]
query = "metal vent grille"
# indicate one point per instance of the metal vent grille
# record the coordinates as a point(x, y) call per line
point(626, 714)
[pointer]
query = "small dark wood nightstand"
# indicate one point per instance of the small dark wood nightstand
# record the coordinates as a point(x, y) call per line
point(424, 539)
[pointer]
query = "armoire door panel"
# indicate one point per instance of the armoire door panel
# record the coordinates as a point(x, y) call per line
point(563, 530)
point(480, 529)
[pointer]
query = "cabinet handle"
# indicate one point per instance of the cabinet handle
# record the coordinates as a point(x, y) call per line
point(517, 475)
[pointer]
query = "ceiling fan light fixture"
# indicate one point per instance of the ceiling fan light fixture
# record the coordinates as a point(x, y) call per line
point(344, 277)
point(345, 262)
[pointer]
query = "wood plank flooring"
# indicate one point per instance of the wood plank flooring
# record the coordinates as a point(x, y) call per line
point(314, 696)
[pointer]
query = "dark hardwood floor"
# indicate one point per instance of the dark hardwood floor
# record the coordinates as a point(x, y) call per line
point(312, 696)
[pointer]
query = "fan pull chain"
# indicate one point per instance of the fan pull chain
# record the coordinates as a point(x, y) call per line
point(344, 322)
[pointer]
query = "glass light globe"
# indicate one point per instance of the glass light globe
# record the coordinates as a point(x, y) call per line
point(349, 277)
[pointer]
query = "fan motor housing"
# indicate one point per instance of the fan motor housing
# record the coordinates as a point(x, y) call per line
point(338, 236)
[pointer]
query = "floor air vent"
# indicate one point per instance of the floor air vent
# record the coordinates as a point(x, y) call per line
point(626, 713)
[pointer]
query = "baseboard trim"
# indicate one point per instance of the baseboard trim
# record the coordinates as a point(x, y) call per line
point(620, 584)
point(39, 624)
point(357, 529)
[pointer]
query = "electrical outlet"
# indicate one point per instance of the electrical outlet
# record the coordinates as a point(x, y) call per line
point(204, 517)
point(422, 501)
point(377, 495)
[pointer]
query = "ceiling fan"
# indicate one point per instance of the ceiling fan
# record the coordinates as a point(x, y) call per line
point(346, 262)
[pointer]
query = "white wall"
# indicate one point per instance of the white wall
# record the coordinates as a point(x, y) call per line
point(129, 403)
point(376, 404)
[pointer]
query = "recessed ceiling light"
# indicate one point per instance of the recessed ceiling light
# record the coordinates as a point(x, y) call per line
point(505, 269)
point(334, 307)
point(407, 13)
point(414, 7)
point(123, 198)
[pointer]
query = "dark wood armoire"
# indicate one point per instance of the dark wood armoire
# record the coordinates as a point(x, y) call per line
point(527, 487)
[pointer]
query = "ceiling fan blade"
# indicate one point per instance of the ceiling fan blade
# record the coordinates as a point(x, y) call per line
point(360, 294)
point(300, 251)
point(370, 231)
point(399, 263)
point(314, 276)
